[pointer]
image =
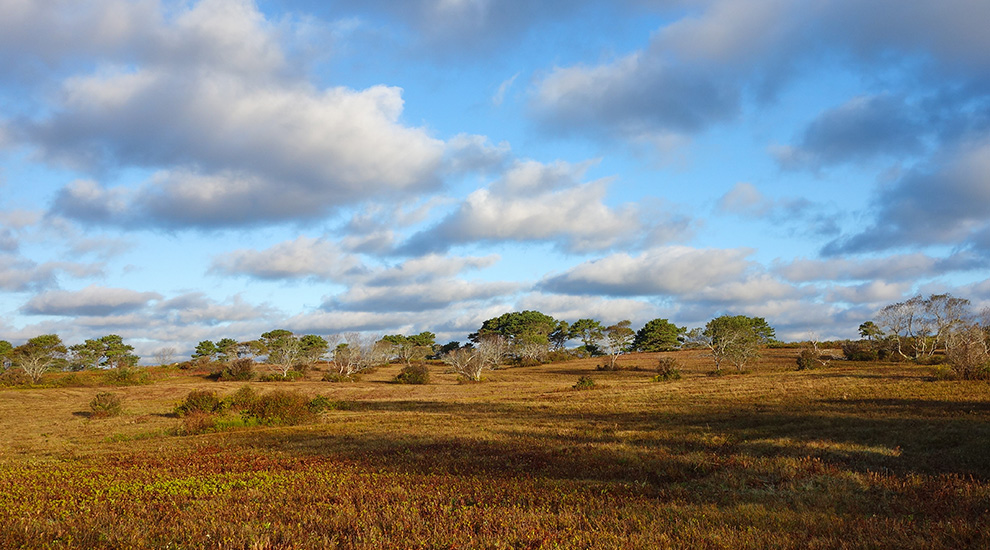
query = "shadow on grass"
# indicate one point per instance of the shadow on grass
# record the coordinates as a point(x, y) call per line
point(659, 448)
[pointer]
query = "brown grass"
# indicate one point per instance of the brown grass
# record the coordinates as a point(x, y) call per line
point(857, 455)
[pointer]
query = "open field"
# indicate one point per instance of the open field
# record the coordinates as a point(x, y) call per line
point(856, 455)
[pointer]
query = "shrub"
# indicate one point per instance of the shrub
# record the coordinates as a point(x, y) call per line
point(290, 376)
point(237, 370)
point(806, 360)
point(14, 377)
point(322, 403)
point(105, 405)
point(667, 369)
point(584, 383)
point(281, 407)
point(413, 374)
point(200, 401)
point(859, 351)
point(242, 398)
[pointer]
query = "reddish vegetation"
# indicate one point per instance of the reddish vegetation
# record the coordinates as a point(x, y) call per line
point(856, 455)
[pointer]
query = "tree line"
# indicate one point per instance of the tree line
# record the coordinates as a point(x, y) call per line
point(523, 337)
point(915, 329)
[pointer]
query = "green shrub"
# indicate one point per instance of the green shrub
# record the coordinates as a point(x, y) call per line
point(413, 374)
point(281, 407)
point(200, 401)
point(584, 383)
point(290, 376)
point(106, 405)
point(806, 360)
point(237, 370)
point(667, 369)
point(242, 398)
point(861, 351)
point(322, 403)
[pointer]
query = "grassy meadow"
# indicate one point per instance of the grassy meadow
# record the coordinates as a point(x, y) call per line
point(855, 455)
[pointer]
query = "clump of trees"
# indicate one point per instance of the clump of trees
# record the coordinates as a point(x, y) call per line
point(735, 339)
point(925, 329)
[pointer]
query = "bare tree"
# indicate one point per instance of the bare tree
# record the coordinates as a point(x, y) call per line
point(968, 352)
point(492, 349)
point(357, 352)
point(165, 355)
point(465, 362)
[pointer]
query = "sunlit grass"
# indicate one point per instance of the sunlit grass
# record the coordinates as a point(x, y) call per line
point(853, 456)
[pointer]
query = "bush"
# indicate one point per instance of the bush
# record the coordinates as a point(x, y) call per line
point(237, 370)
point(197, 422)
point(413, 374)
point(200, 401)
point(282, 407)
point(667, 369)
point(807, 360)
point(859, 351)
point(106, 405)
point(290, 376)
point(14, 377)
point(321, 403)
point(584, 383)
point(242, 398)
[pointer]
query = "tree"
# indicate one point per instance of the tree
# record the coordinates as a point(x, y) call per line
point(39, 354)
point(492, 349)
point(589, 331)
point(109, 352)
point(465, 362)
point(357, 352)
point(116, 353)
point(736, 338)
point(870, 331)
point(658, 335)
point(410, 348)
point(527, 332)
point(313, 347)
point(560, 335)
point(164, 355)
point(923, 323)
point(968, 352)
point(282, 348)
point(226, 349)
point(205, 349)
point(617, 339)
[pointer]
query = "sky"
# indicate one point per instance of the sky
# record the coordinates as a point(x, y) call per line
point(178, 171)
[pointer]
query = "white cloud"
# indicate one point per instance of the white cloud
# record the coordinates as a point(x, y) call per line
point(665, 271)
point(90, 301)
point(302, 258)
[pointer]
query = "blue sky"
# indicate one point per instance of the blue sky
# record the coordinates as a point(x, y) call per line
point(189, 170)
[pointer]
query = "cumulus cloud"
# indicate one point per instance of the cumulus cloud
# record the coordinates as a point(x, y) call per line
point(233, 137)
point(536, 202)
point(18, 274)
point(665, 271)
point(698, 70)
point(91, 301)
point(947, 202)
point(903, 267)
point(418, 296)
point(863, 128)
point(302, 258)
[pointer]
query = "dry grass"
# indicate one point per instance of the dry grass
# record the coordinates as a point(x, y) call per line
point(857, 455)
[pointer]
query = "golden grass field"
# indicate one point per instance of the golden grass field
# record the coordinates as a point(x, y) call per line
point(855, 455)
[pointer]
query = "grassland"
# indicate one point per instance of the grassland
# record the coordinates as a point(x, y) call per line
point(856, 455)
